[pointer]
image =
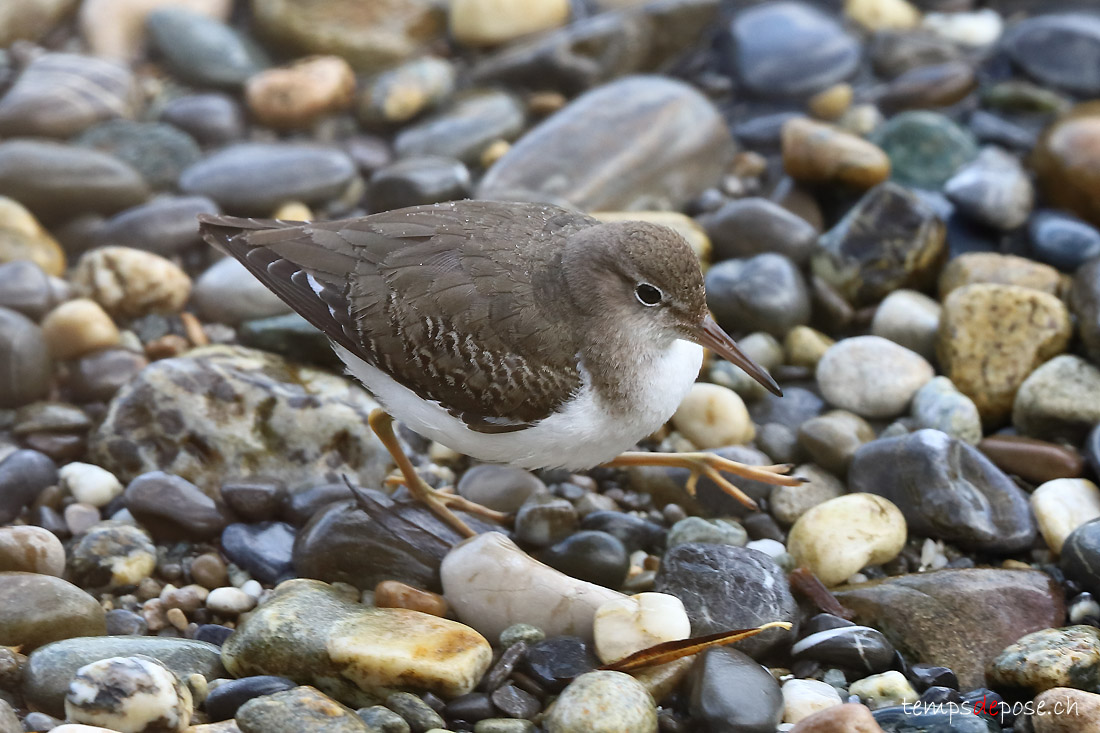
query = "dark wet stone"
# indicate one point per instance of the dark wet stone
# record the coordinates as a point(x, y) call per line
point(263, 549)
point(1060, 50)
point(597, 557)
point(121, 622)
point(926, 676)
point(947, 490)
point(633, 531)
point(960, 619)
point(846, 645)
point(39, 609)
point(1092, 450)
point(639, 142)
point(250, 178)
point(298, 709)
point(1085, 302)
point(500, 487)
point(1062, 240)
point(891, 239)
point(732, 693)
point(373, 539)
point(763, 293)
point(57, 181)
point(255, 500)
point(725, 587)
point(910, 719)
point(416, 181)
point(26, 288)
point(554, 662)
point(894, 52)
point(463, 131)
point(173, 508)
point(24, 474)
point(99, 375)
point(516, 703)
point(791, 49)
point(165, 226)
point(212, 119)
point(291, 336)
point(417, 713)
point(61, 94)
point(25, 365)
point(925, 148)
point(472, 707)
point(994, 129)
point(936, 85)
point(202, 50)
point(596, 49)
point(157, 151)
point(223, 701)
point(300, 506)
point(213, 634)
point(49, 670)
point(752, 226)
point(1080, 559)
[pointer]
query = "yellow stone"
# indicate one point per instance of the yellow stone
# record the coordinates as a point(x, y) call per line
point(831, 104)
point(712, 416)
point(805, 346)
point(294, 211)
point(993, 336)
point(877, 15)
point(298, 95)
point(23, 238)
point(839, 537)
point(991, 267)
point(78, 327)
point(814, 152)
point(684, 225)
point(491, 22)
point(131, 283)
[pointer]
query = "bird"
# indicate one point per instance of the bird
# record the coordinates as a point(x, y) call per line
point(518, 333)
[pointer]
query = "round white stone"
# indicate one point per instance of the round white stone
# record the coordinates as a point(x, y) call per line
point(130, 695)
point(871, 376)
point(627, 625)
point(713, 416)
point(803, 698)
point(840, 537)
point(229, 601)
point(908, 318)
point(771, 548)
point(90, 484)
point(1063, 505)
point(976, 29)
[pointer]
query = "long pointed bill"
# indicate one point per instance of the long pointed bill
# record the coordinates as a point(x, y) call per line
point(711, 335)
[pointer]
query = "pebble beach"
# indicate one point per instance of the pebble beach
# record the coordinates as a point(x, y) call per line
point(896, 205)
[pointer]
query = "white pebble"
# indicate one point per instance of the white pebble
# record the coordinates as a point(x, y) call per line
point(90, 484)
point(1063, 505)
point(229, 601)
point(908, 318)
point(129, 695)
point(627, 625)
point(771, 548)
point(871, 376)
point(843, 535)
point(883, 690)
point(253, 588)
point(976, 29)
point(713, 416)
point(803, 698)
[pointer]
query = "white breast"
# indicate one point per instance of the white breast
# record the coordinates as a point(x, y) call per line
point(581, 435)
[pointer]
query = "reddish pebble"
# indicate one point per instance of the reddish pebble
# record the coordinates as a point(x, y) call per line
point(1035, 461)
point(847, 718)
point(394, 594)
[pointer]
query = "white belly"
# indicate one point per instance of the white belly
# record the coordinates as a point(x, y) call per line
point(581, 435)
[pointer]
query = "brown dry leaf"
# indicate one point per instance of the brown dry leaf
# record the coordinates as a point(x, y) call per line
point(670, 651)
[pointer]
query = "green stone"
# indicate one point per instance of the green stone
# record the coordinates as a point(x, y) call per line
point(925, 148)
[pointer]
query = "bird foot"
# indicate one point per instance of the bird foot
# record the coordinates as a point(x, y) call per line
point(711, 466)
point(446, 495)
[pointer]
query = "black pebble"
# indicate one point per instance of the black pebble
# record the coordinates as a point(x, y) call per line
point(553, 663)
point(223, 701)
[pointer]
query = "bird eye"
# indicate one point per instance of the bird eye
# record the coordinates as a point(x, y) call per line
point(647, 294)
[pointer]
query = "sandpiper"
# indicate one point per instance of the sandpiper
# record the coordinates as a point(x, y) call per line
point(510, 332)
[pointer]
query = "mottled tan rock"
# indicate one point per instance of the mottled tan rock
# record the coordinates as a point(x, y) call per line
point(1048, 658)
point(1066, 710)
point(115, 29)
point(23, 238)
point(31, 549)
point(130, 283)
point(683, 225)
point(814, 152)
point(492, 22)
point(848, 718)
point(839, 537)
point(78, 327)
point(300, 709)
point(40, 608)
point(298, 95)
point(314, 633)
point(991, 267)
point(993, 336)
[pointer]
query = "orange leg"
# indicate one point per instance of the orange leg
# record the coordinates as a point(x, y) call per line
point(439, 502)
point(711, 466)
